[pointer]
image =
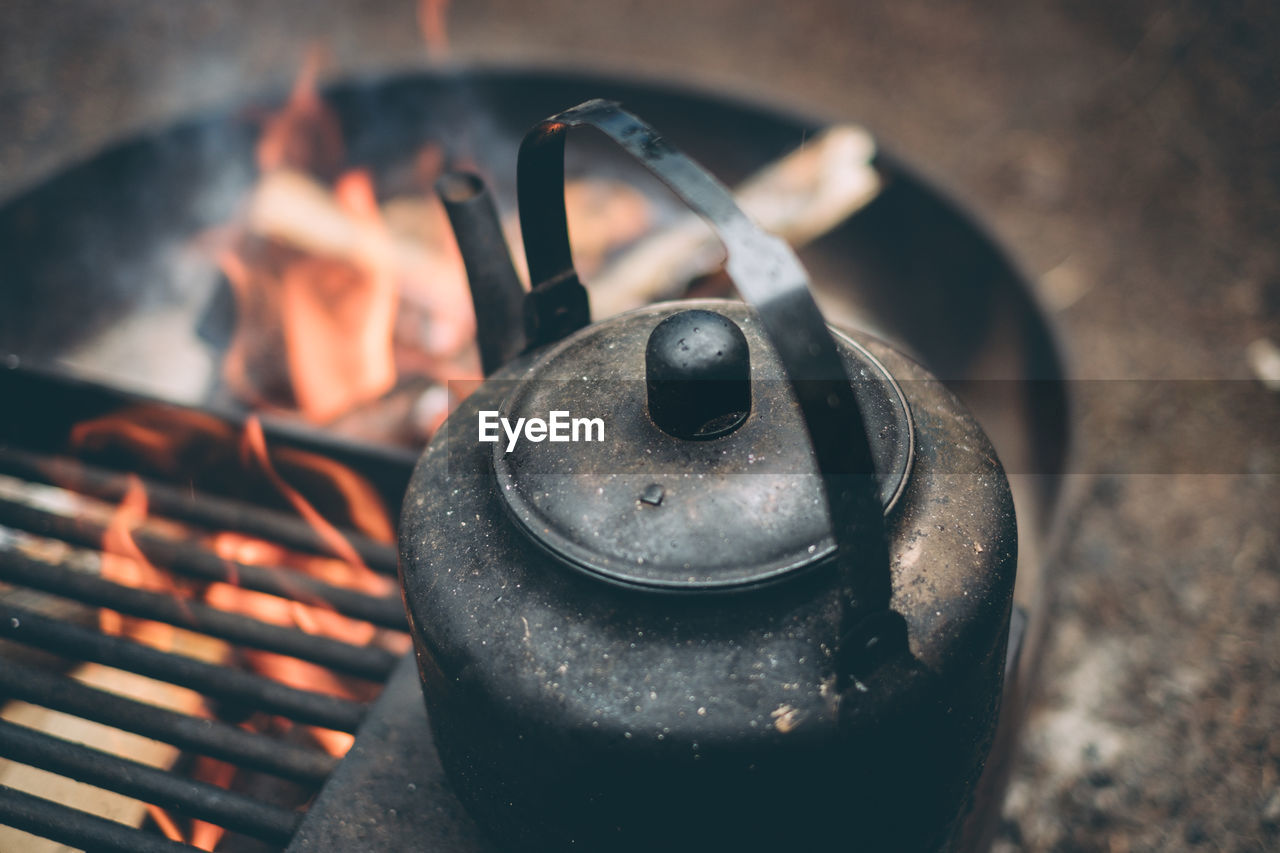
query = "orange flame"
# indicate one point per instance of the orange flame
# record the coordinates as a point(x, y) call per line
point(164, 438)
point(306, 612)
point(314, 617)
point(166, 824)
point(315, 327)
point(363, 504)
point(339, 318)
point(337, 298)
point(124, 563)
point(306, 133)
point(431, 20)
point(254, 449)
point(316, 331)
point(205, 836)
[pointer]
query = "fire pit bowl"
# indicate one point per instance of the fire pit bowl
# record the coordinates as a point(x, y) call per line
point(105, 280)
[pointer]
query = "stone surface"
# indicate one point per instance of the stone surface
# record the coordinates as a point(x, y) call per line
point(1125, 152)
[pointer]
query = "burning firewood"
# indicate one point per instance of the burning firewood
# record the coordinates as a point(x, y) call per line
point(304, 260)
point(299, 211)
point(303, 213)
point(799, 197)
point(296, 224)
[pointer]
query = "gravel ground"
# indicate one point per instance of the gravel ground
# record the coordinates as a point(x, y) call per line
point(1129, 155)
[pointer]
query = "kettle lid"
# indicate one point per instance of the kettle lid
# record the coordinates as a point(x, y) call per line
point(647, 499)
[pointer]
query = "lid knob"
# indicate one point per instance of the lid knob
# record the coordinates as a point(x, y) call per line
point(698, 372)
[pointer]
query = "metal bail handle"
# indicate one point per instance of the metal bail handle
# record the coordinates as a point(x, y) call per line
point(770, 278)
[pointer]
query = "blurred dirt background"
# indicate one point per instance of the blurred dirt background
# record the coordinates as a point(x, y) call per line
point(1128, 153)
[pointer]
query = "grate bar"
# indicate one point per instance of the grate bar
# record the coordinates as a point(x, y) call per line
point(169, 791)
point(76, 828)
point(205, 510)
point(192, 561)
point(369, 662)
point(209, 737)
point(218, 682)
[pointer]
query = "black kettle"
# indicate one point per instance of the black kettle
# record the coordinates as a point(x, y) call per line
point(705, 575)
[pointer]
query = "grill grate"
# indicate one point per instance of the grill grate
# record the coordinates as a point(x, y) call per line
point(48, 548)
